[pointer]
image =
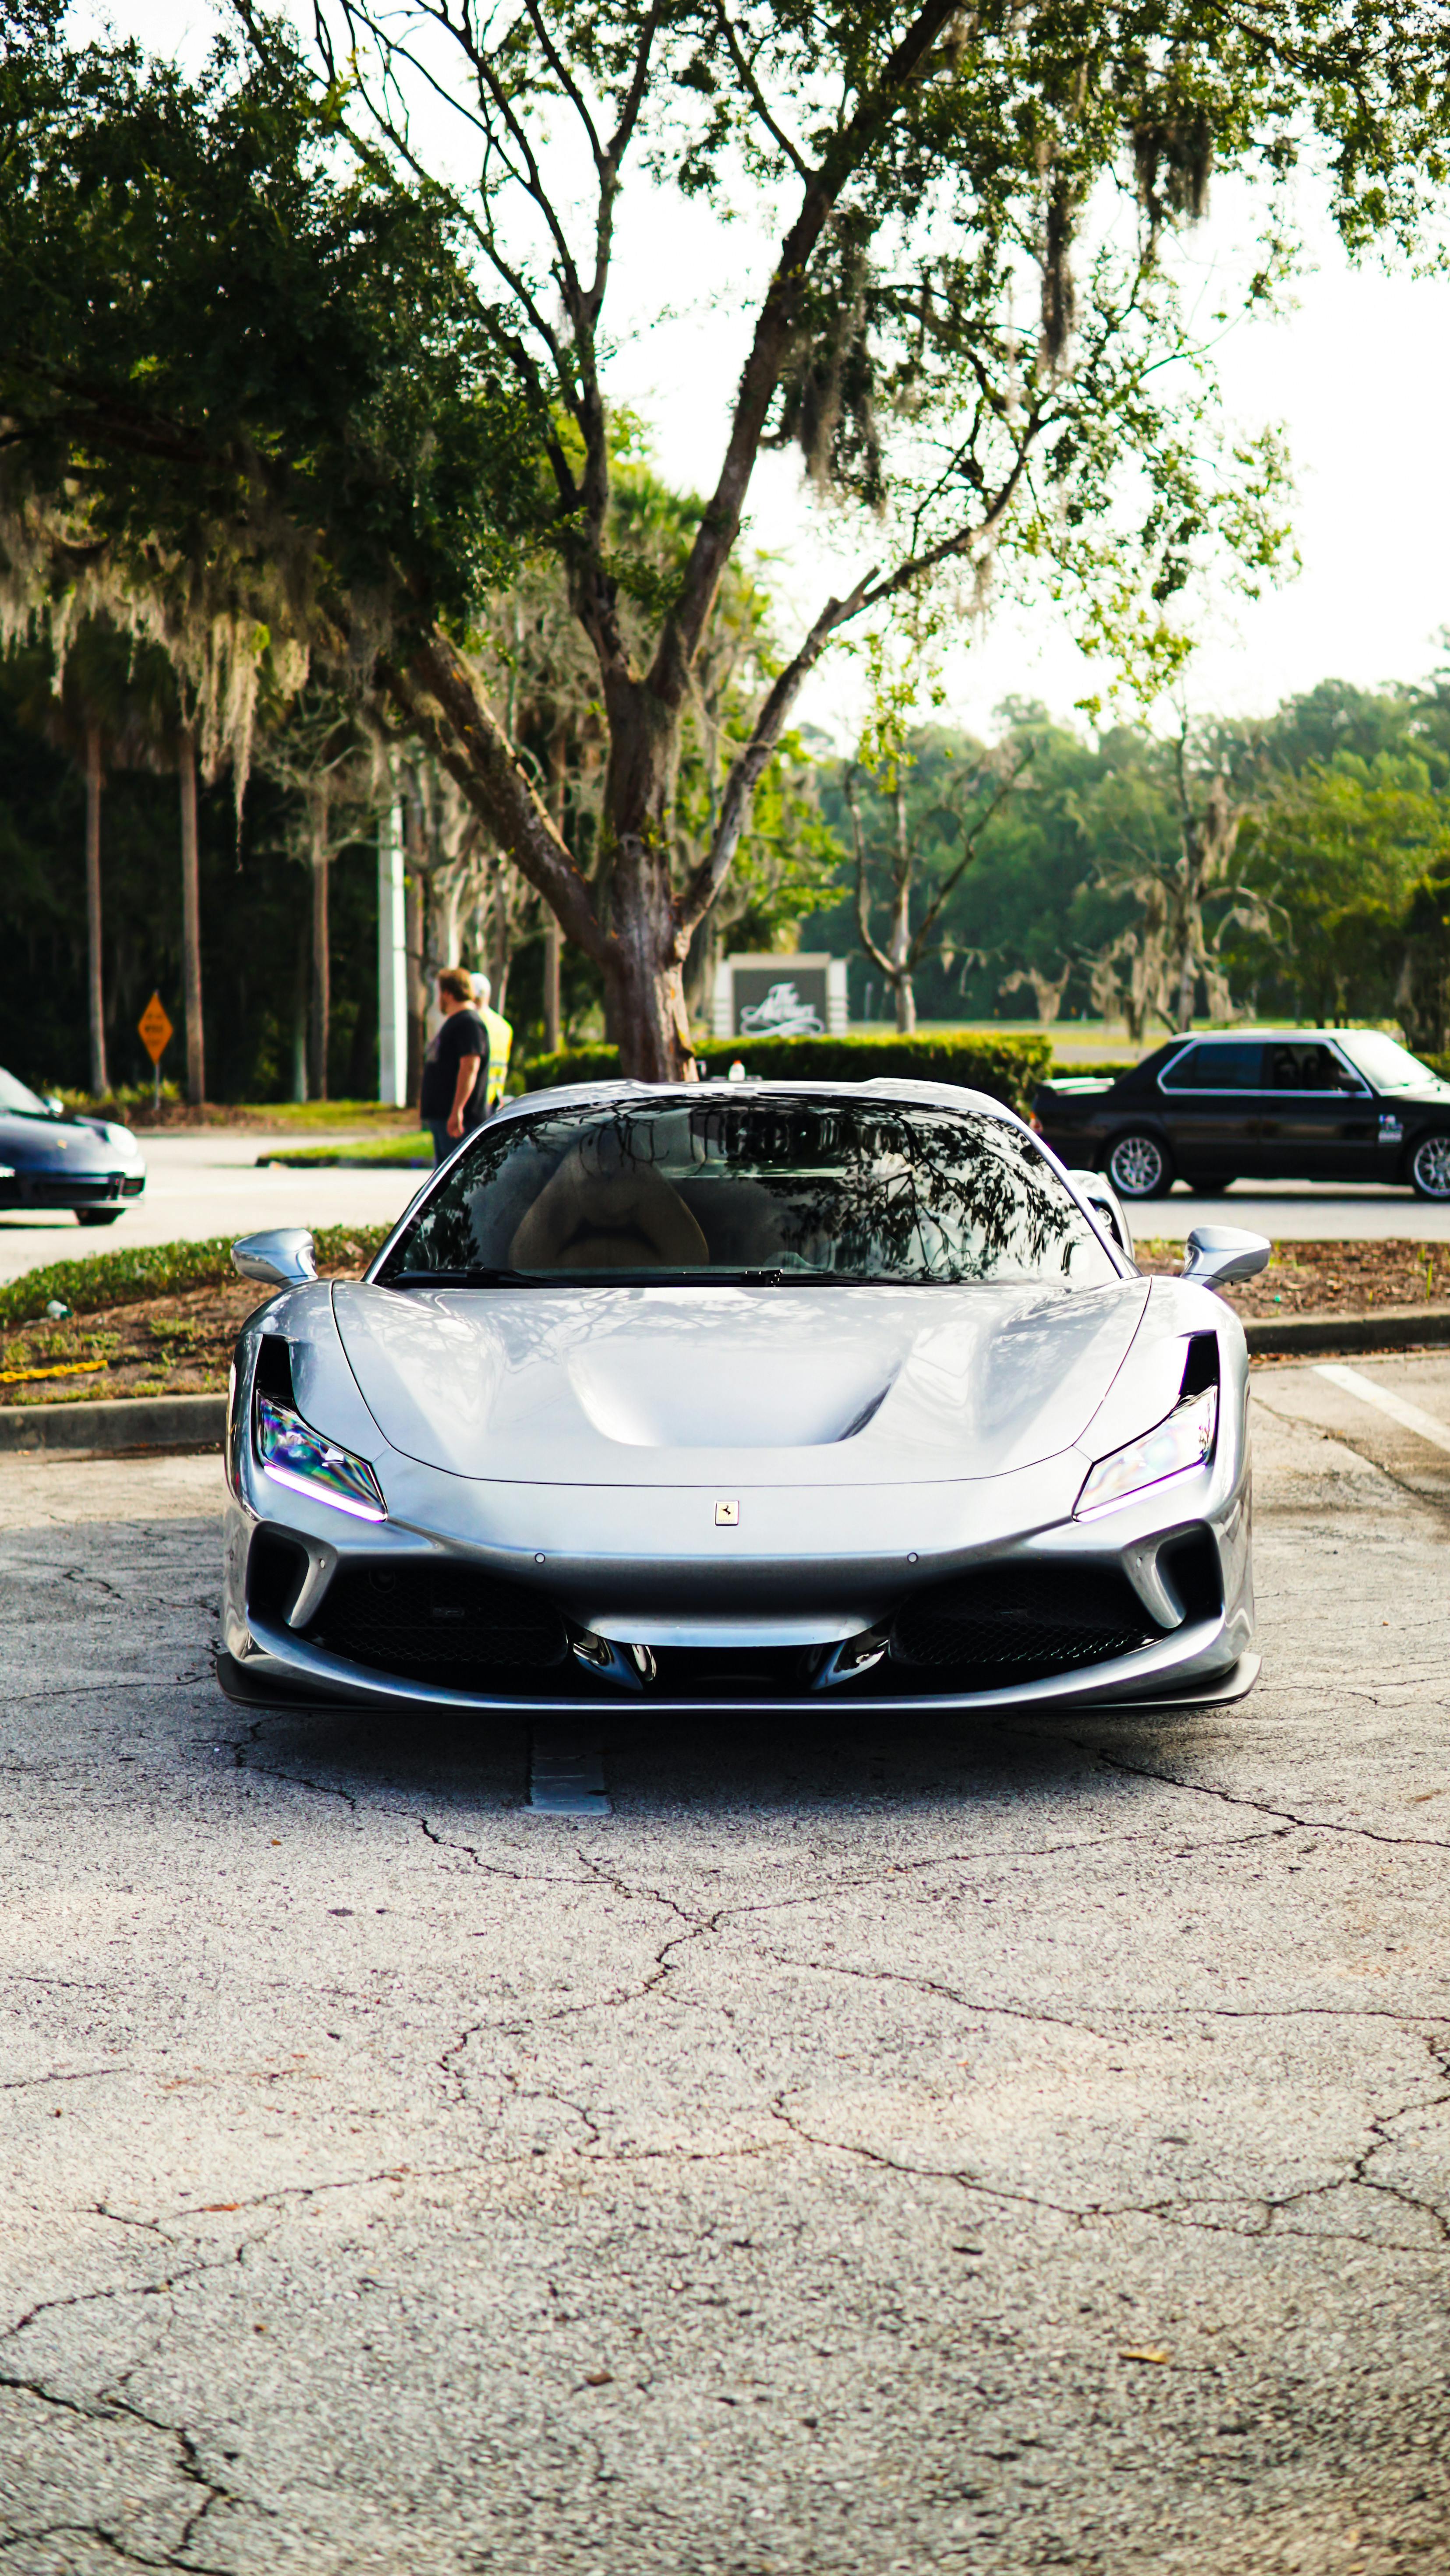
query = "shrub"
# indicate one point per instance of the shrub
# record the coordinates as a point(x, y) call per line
point(1008, 1069)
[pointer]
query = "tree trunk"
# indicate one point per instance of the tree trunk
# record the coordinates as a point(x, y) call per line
point(300, 979)
point(321, 1028)
point(644, 960)
point(100, 1082)
point(553, 942)
point(414, 896)
point(900, 944)
point(553, 1022)
point(191, 924)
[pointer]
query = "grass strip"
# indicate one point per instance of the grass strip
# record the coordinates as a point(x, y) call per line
point(408, 1152)
point(161, 1270)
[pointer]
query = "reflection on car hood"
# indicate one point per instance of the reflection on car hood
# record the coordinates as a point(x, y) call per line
point(61, 1144)
point(688, 1385)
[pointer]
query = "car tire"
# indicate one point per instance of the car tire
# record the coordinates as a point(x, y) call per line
point(1139, 1166)
point(1430, 1168)
point(97, 1216)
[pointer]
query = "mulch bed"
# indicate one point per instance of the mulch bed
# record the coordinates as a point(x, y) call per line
point(1329, 1278)
point(174, 1345)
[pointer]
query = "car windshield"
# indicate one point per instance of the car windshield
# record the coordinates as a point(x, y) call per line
point(1384, 1062)
point(13, 1095)
point(771, 1189)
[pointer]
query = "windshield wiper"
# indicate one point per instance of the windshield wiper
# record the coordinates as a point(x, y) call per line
point(462, 1279)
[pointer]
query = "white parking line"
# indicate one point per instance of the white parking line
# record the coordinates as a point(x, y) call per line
point(1410, 1416)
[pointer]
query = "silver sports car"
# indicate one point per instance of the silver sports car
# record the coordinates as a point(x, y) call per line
point(739, 1391)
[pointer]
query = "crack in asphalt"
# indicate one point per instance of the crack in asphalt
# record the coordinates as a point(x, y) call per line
point(1169, 2211)
point(106, 2408)
point(1267, 1806)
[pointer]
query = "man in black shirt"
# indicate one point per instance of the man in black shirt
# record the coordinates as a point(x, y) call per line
point(455, 1068)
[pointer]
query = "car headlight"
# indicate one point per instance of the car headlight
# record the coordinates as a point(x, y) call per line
point(1184, 1440)
point(296, 1455)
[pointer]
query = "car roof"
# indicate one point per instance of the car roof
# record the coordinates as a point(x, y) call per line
point(1252, 1037)
point(906, 1088)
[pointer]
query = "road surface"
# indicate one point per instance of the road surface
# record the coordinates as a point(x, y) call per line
point(207, 1183)
point(885, 2146)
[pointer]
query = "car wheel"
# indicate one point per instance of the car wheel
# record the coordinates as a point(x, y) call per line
point(97, 1216)
point(1430, 1168)
point(1139, 1168)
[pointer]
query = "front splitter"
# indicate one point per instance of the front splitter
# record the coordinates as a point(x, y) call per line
point(255, 1690)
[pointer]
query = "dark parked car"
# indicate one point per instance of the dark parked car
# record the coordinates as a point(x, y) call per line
point(1296, 1104)
point(50, 1160)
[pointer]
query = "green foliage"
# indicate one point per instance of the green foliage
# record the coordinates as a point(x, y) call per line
point(253, 921)
point(407, 1152)
point(161, 1270)
point(245, 368)
point(1008, 1069)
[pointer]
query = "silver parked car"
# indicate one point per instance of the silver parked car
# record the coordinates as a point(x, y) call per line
point(738, 1391)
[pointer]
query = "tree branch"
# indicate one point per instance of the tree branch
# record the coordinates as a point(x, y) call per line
point(439, 698)
point(775, 325)
point(877, 955)
point(752, 762)
point(935, 907)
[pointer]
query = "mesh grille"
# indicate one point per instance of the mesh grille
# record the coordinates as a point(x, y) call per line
point(439, 1621)
point(1022, 1623)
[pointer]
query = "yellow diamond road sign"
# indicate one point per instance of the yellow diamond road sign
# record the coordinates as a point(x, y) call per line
point(155, 1028)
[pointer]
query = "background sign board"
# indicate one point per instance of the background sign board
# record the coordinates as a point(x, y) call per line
point(780, 996)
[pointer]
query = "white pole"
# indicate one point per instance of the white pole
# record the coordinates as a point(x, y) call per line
point(392, 962)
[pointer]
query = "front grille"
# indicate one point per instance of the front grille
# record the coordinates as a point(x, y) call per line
point(443, 1623)
point(1013, 1623)
point(62, 1189)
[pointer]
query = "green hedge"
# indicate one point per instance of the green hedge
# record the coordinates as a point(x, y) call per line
point(161, 1270)
point(1008, 1069)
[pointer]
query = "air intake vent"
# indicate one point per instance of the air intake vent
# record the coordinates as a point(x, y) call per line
point(1017, 1623)
point(276, 1571)
point(443, 1623)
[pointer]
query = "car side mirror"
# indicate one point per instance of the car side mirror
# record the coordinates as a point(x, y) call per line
point(1219, 1253)
point(281, 1259)
point(1104, 1200)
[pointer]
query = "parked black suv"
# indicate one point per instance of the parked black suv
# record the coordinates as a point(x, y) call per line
point(1296, 1104)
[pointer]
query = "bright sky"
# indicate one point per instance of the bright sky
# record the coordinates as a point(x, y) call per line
point(1358, 376)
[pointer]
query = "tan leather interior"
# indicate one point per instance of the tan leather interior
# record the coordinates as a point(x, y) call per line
point(592, 1217)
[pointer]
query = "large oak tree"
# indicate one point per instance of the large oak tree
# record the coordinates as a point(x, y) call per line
point(969, 326)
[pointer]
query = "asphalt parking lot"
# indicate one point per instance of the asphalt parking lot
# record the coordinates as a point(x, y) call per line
point(869, 2147)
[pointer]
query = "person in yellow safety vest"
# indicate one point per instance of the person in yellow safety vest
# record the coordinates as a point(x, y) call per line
point(500, 1043)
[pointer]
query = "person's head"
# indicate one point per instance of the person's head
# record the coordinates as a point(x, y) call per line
point(482, 992)
point(455, 990)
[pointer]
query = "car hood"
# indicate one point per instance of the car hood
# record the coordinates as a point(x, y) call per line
point(684, 1385)
point(26, 1141)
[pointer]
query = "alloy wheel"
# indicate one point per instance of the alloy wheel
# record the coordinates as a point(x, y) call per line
point(1138, 1167)
point(1430, 1170)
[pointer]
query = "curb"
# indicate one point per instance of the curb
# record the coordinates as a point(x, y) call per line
point(343, 1163)
point(109, 1428)
point(1398, 1328)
